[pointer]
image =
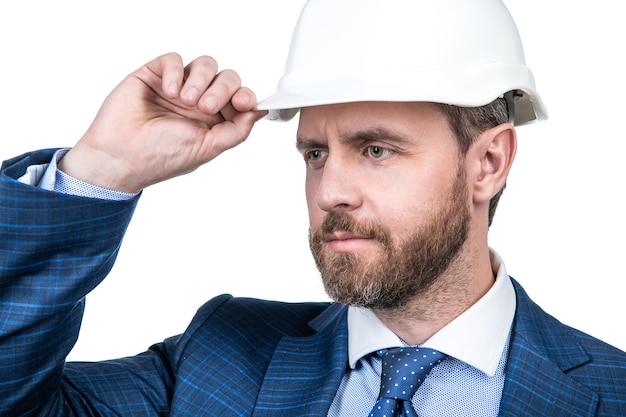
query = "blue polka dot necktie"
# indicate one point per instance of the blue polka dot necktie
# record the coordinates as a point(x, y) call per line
point(404, 370)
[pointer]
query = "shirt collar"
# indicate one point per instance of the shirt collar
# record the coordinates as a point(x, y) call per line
point(477, 337)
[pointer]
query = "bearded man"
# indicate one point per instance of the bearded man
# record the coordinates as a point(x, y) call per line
point(408, 111)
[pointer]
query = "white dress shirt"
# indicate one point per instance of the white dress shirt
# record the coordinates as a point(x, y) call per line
point(468, 383)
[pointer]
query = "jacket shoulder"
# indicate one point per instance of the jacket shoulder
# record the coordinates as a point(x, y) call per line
point(246, 324)
point(585, 359)
point(234, 339)
point(259, 316)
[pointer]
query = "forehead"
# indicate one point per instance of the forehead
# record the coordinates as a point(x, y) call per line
point(410, 119)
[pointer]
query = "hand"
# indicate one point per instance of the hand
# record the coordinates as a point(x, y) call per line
point(162, 121)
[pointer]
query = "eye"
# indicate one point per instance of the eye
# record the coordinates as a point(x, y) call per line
point(315, 158)
point(377, 152)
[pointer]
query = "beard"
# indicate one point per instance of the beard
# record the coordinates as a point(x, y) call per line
point(404, 270)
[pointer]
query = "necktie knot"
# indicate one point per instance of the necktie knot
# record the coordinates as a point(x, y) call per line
point(404, 370)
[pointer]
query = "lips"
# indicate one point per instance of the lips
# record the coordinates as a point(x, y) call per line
point(343, 235)
point(341, 241)
point(341, 232)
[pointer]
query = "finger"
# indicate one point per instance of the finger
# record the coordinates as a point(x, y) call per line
point(169, 68)
point(199, 75)
point(243, 100)
point(230, 133)
point(164, 74)
point(220, 92)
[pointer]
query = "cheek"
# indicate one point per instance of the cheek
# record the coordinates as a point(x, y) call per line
point(403, 205)
point(310, 190)
point(425, 187)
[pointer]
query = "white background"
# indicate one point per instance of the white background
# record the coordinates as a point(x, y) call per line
point(239, 225)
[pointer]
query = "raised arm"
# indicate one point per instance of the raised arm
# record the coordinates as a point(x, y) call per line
point(163, 120)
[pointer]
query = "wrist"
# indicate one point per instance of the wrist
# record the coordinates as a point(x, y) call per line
point(96, 168)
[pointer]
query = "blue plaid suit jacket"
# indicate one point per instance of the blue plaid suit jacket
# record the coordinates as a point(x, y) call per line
point(238, 357)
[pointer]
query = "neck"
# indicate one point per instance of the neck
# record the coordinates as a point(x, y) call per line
point(465, 281)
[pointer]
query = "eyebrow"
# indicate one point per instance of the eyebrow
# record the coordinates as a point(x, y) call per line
point(368, 135)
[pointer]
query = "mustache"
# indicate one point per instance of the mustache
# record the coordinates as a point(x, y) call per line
point(344, 222)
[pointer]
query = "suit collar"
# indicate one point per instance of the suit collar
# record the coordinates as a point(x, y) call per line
point(305, 372)
point(540, 352)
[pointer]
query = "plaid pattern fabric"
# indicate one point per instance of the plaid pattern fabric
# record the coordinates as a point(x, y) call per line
point(53, 250)
point(555, 370)
point(239, 356)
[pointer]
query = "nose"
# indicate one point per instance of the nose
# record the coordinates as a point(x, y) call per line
point(337, 188)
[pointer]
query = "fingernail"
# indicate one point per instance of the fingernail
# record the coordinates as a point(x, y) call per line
point(245, 98)
point(211, 102)
point(172, 87)
point(192, 94)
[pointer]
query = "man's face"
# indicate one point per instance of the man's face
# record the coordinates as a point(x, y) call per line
point(387, 197)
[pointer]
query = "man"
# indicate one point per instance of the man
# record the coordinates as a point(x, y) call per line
point(406, 157)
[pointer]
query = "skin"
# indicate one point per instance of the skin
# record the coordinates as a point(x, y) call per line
point(163, 120)
point(167, 119)
point(395, 179)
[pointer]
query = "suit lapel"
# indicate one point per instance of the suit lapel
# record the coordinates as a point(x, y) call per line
point(540, 353)
point(305, 372)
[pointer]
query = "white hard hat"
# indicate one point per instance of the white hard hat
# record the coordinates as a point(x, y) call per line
point(460, 52)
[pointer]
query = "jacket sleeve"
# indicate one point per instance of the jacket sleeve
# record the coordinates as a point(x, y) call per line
point(54, 249)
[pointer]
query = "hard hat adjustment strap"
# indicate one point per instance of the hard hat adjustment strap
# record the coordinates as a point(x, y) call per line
point(510, 98)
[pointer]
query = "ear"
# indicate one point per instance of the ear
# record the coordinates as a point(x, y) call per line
point(492, 157)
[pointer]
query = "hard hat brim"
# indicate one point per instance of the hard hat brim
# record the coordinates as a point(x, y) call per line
point(479, 88)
